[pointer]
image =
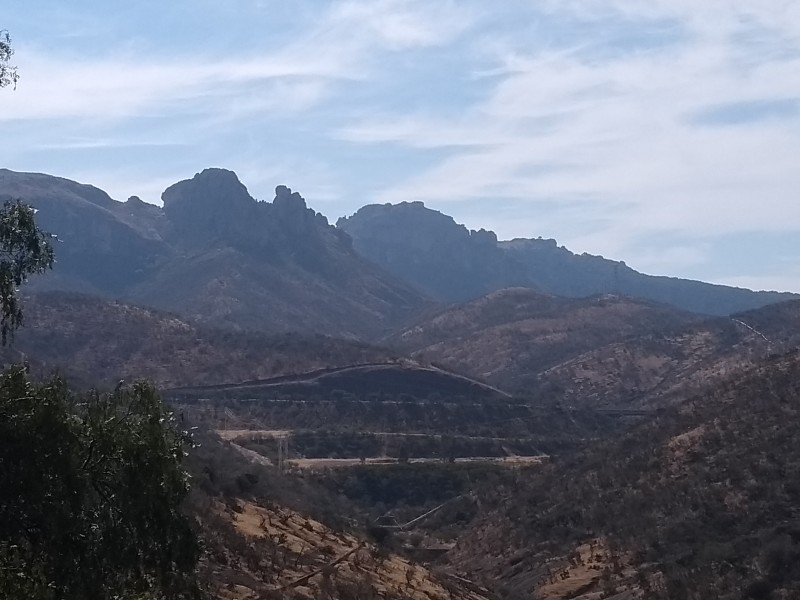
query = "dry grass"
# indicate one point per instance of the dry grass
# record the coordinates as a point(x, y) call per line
point(590, 574)
point(317, 561)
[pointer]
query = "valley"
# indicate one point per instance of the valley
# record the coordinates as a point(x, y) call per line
point(524, 423)
point(400, 300)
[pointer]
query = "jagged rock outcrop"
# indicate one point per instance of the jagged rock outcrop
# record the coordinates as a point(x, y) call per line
point(212, 208)
point(216, 254)
point(454, 264)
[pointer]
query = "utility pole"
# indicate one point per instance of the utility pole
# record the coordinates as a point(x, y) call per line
point(283, 452)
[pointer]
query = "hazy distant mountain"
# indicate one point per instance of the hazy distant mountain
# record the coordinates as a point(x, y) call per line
point(215, 253)
point(454, 264)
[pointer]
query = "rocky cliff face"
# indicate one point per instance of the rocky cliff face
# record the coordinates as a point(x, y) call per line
point(213, 208)
point(429, 249)
point(452, 263)
point(216, 254)
point(103, 246)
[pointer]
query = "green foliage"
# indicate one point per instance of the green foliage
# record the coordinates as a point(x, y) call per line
point(24, 250)
point(8, 73)
point(91, 489)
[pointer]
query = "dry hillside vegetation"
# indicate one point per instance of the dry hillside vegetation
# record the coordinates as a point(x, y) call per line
point(269, 534)
point(292, 556)
point(97, 342)
point(600, 352)
point(404, 378)
point(658, 369)
point(510, 336)
point(698, 502)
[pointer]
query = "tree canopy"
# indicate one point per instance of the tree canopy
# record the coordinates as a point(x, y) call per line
point(91, 485)
point(90, 495)
point(8, 73)
point(24, 250)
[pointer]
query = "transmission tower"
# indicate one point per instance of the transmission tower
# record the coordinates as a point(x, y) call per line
point(283, 452)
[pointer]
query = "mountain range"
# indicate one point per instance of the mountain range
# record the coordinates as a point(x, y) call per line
point(649, 423)
point(215, 254)
point(453, 264)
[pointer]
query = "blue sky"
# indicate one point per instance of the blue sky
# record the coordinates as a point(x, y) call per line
point(665, 133)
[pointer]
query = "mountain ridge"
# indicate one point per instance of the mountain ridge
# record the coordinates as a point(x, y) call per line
point(94, 342)
point(216, 254)
point(599, 352)
point(454, 264)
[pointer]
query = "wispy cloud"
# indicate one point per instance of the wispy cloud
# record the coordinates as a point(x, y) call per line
point(638, 130)
point(742, 113)
point(624, 135)
point(401, 24)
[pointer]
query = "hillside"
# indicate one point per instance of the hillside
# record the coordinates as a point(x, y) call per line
point(387, 414)
point(664, 367)
point(511, 336)
point(272, 535)
point(216, 254)
point(399, 380)
point(453, 264)
point(697, 502)
point(97, 342)
point(602, 352)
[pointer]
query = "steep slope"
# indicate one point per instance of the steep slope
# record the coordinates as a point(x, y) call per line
point(215, 254)
point(270, 535)
point(601, 352)
point(453, 264)
point(511, 336)
point(698, 502)
point(660, 368)
point(104, 246)
point(430, 249)
point(97, 342)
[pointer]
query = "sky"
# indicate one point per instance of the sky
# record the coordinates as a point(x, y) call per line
point(665, 133)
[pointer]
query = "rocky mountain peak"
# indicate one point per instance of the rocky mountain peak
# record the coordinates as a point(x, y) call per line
point(484, 237)
point(427, 247)
point(404, 223)
point(287, 199)
point(294, 215)
point(213, 204)
point(209, 189)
